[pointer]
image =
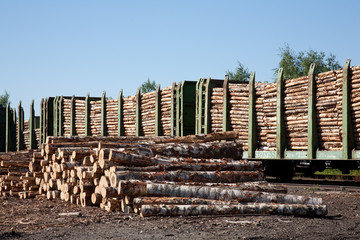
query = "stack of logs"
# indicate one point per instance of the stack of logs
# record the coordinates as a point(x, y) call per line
point(355, 104)
point(329, 109)
point(15, 177)
point(239, 111)
point(129, 118)
point(266, 115)
point(295, 111)
point(148, 102)
point(216, 111)
point(79, 117)
point(95, 117)
point(190, 175)
point(112, 117)
point(165, 111)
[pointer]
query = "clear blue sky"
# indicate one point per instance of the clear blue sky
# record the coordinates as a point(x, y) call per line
point(50, 48)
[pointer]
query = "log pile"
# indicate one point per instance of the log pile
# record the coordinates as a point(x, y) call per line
point(147, 109)
point(165, 111)
point(328, 109)
point(216, 109)
point(95, 118)
point(129, 118)
point(111, 117)
point(266, 115)
point(154, 176)
point(239, 110)
point(26, 133)
point(66, 111)
point(328, 112)
point(296, 113)
point(15, 177)
point(79, 117)
point(355, 103)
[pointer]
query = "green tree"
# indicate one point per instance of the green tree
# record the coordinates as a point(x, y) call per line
point(241, 74)
point(297, 64)
point(148, 86)
point(4, 99)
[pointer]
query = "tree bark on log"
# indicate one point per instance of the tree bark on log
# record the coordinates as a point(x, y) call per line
point(141, 189)
point(190, 176)
point(253, 208)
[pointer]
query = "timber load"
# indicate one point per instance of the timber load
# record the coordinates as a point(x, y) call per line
point(300, 117)
point(193, 175)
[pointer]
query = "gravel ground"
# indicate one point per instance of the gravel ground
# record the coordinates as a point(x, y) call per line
point(40, 218)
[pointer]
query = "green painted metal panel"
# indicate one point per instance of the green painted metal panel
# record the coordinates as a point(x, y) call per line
point(103, 114)
point(18, 132)
point(61, 116)
point(200, 116)
point(32, 144)
point(138, 112)
point(188, 107)
point(56, 116)
point(312, 129)
point(49, 116)
point(2, 128)
point(87, 115)
point(226, 104)
point(41, 117)
point(355, 154)
point(157, 112)
point(329, 155)
point(10, 131)
point(252, 139)
point(178, 107)
point(301, 155)
point(121, 131)
point(348, 141)
point(173, 109)
point(280, 127)
point(207, 121)
point(72, 116)
point(197, 104)
point(266, 154)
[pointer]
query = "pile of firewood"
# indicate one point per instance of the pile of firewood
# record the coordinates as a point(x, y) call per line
point(190, 175)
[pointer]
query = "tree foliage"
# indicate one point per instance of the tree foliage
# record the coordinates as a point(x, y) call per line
point(4, 99)
point(241, 74)
point(148, 86)
point(297, 64)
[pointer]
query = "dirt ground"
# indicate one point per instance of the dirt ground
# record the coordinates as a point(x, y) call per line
point(43, 219)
